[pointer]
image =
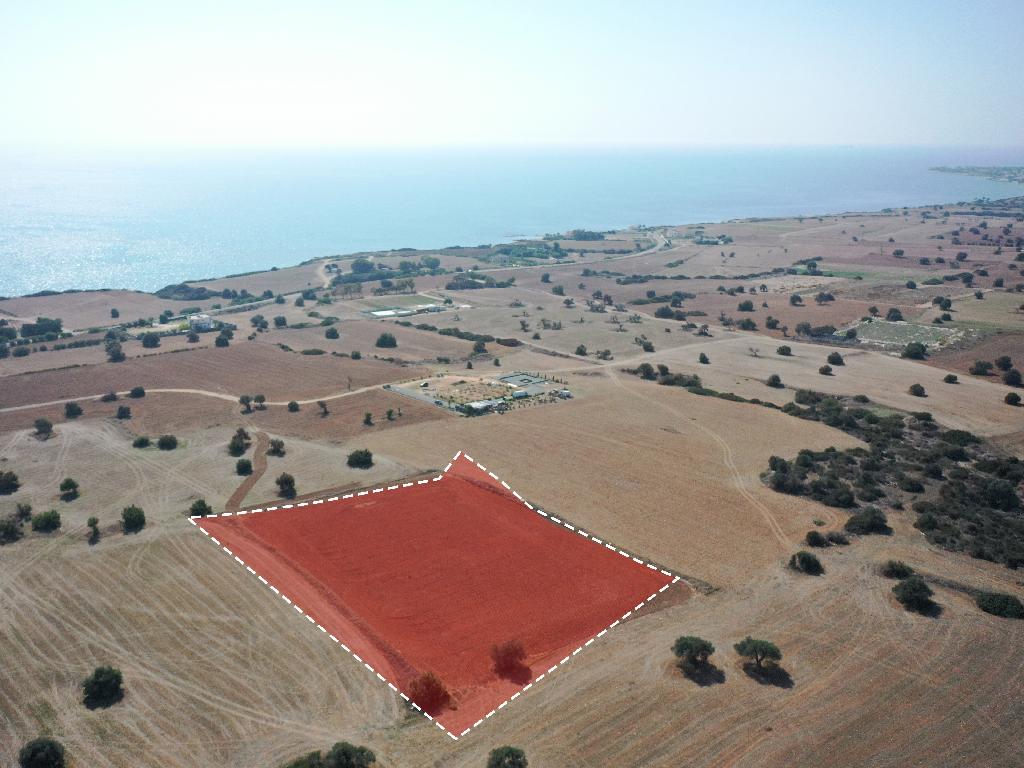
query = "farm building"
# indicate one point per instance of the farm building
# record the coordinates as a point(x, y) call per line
point(200, 322)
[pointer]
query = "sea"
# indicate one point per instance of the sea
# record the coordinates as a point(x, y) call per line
point(145, 220)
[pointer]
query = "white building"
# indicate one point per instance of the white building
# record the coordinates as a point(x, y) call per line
point(200, 323)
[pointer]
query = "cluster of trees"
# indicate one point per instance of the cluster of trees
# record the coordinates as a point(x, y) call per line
point(694, 658)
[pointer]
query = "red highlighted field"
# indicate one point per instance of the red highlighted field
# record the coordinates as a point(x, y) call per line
point(430, 576)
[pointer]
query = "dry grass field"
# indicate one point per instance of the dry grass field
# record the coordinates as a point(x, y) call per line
point(218, 672)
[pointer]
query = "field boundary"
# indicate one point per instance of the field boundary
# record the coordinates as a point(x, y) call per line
point(398, 486)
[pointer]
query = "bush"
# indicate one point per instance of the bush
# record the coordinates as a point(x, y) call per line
point(200, 508)
point(133, 519)
point(1012, 398)
point(914, 594)
point(509, 658)
point(243, 467)
point(825, 370)
point(286, 485)
point(167, 442)
point(360, 459)
point(507, 757)
point(815, 539)
point(45, 522)
point(43, 427)
point(581, 350)
point(72, 410)
point(692, 651)
point(293, 407)
point(917, 390)
point(915, 350)
point(150, 340)
point(103, 688)
point(429, 693)
point(896, 569)
point(124, 412)
point(140, 442)
point(137, 392)
point(386, 341)
point(9, 483)
point(807, 563)
point(758, 650)
point(784, 350)
point(774, 381)
point(331, 333)
point(10, 531)
point(110, 397)
point(276, 447)
point(836, 359)
point(41, 753)
point(703, 359)
point(1000, 604)
point(838, 538)
point(221, 341)
point(869, 520)
point(949, 378)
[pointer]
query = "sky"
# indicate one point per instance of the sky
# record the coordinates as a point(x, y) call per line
point(338, 74)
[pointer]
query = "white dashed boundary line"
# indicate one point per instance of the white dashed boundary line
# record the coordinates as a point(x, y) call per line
point(399, 486)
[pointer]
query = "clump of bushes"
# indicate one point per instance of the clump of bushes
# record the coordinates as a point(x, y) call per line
point(46, 522)
point(915, 595)
point(103, 688)
point(805, 562)
point(360, 459)
point(1000, 604)
point(868, 521)
point(896, 569)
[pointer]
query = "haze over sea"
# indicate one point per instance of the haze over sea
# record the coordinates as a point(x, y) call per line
point(110, 221)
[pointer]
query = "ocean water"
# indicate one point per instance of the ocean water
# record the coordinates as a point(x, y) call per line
point(143, 222)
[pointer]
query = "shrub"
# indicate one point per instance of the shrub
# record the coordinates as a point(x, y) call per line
point(1000, 604)
point(896, 569)
point(758, 650)
point(167, 442)
point(221, 341)
point(949, 378)
point(581, 350)
point(140, 442)
point(360, 459)
point(815, 539)
point(68, 489)
point(72, 410)
point(110, 397)
point(869, 520)
point(367, 419)
point(356, 355)
point(103, 688)
point(825, 370)
point(239, 442)
point(133, 519)
point(276, 447)
point(45, 522)
point(1012, 378)
point(894, 315)
point(509, 658)
point(345, 755)
point(774, 381)
point(293, 406)
point(331, 333)
point(692, 651)
point(784, 350)
point(243, 467)
point(43, 427)
point(200, 508)
point(10, 531)
point(837, 537)
point(386, 341)
point(915, 350)
point(1012, 398)
point(150, 340)
point(914, 594)
point(41, 753)
point(917, 390)
point(836, 359)
point(507, 757)
point(980, 368)
point(124, 412)
point(286, 485)
point(9, 483)
point(703, 359)
point(805, 562)
point(429, 693)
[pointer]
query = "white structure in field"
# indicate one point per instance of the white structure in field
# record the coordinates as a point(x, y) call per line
point(200, 323)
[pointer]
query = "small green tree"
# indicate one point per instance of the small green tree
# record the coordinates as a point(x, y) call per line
point(331, 333)
point(785, 350)
point(805, 562)
point(167, 442)
point(825, 370)
point(507, 757)
point(581, 350)
point(896, 569)
point(367, 419)
point(72, 410)
point(285, 485)
point(760, 651)
point(133, 519)
point(386, 341)
point(124, 412)
point(41, 753)
point(360, 459)
point(200, 508)
point(276, 447)
point(260, 401)
point(835, 358)
point(293, 406)
point(243, 467)
point(950, 378)
point(94, 529)
point(917, 390)
point(140, 442)
point(137, 392)
point(68, 489)
point(9, 482)
point(692, 651)
point(774, 381)
point(246, 403)
point(44, 428)
point(1001, 604)
point(103, 688)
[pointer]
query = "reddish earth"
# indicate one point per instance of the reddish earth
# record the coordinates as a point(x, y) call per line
point(428, 578)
